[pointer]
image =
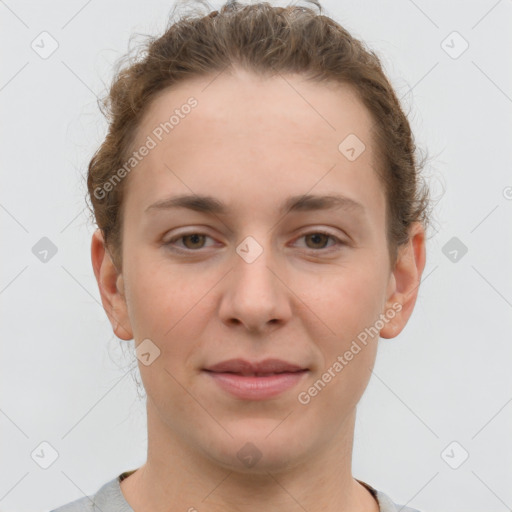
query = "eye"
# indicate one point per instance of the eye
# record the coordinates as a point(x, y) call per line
point(191, 242)
point(319, 239)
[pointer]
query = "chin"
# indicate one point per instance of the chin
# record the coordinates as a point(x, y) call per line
point(257, 447)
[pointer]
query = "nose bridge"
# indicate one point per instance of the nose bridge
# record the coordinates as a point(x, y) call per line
point(255, 296)
point(251, 267)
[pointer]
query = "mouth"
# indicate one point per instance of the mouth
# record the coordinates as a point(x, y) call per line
point(266, 367)
point(256, 381)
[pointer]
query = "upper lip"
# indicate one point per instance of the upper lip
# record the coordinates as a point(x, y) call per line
point(243, 367)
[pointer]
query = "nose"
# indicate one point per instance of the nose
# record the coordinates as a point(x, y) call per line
point(255, 294)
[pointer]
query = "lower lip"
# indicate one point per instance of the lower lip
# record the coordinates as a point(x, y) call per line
point(256, 388)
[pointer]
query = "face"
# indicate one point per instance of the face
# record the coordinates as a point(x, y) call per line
point(266, 267)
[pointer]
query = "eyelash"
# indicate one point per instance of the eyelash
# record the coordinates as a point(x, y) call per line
point(338, 242)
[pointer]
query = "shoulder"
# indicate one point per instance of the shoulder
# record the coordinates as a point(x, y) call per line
point(386, 504)
point(107, 499)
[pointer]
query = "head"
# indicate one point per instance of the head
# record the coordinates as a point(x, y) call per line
point(302, 237)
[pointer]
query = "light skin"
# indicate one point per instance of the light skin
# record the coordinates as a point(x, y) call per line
point(251, 143)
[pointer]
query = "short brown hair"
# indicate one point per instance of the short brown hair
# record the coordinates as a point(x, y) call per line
point(266, 40)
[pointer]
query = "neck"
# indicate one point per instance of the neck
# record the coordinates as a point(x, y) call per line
point(177, 477)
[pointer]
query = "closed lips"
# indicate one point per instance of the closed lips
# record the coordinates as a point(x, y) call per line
point(258, 374)
point(255, 369)
point(262, 380)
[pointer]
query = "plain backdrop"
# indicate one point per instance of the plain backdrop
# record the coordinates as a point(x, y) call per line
point(441, 391)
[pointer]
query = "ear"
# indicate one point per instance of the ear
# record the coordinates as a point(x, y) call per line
point(404, 282)
point(111, 286)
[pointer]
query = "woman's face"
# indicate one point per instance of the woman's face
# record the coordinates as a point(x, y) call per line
point(255, 274)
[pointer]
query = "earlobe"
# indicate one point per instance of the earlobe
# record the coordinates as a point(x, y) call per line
point(404, 282)
point(111, 287)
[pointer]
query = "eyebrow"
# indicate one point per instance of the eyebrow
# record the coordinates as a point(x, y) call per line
point(299, 203)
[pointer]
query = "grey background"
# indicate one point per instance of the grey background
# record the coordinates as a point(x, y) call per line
point(66, 379)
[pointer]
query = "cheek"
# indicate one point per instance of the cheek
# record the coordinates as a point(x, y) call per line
point(152, 302)
point(349, 304)
point(347, 300)
point(168, 305)
point(170, 309)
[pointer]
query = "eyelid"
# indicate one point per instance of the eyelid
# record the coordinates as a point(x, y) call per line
point(179, 236)
point(323, 231)
point(311, 230)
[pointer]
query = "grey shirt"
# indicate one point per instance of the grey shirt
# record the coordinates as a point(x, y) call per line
point(109, 498)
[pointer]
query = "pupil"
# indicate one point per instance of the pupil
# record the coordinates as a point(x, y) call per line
point(316, 235)
point(316, 238)
point(194, 238)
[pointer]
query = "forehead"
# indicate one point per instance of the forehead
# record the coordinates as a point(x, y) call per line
point(260, 134)
point(288, 107)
